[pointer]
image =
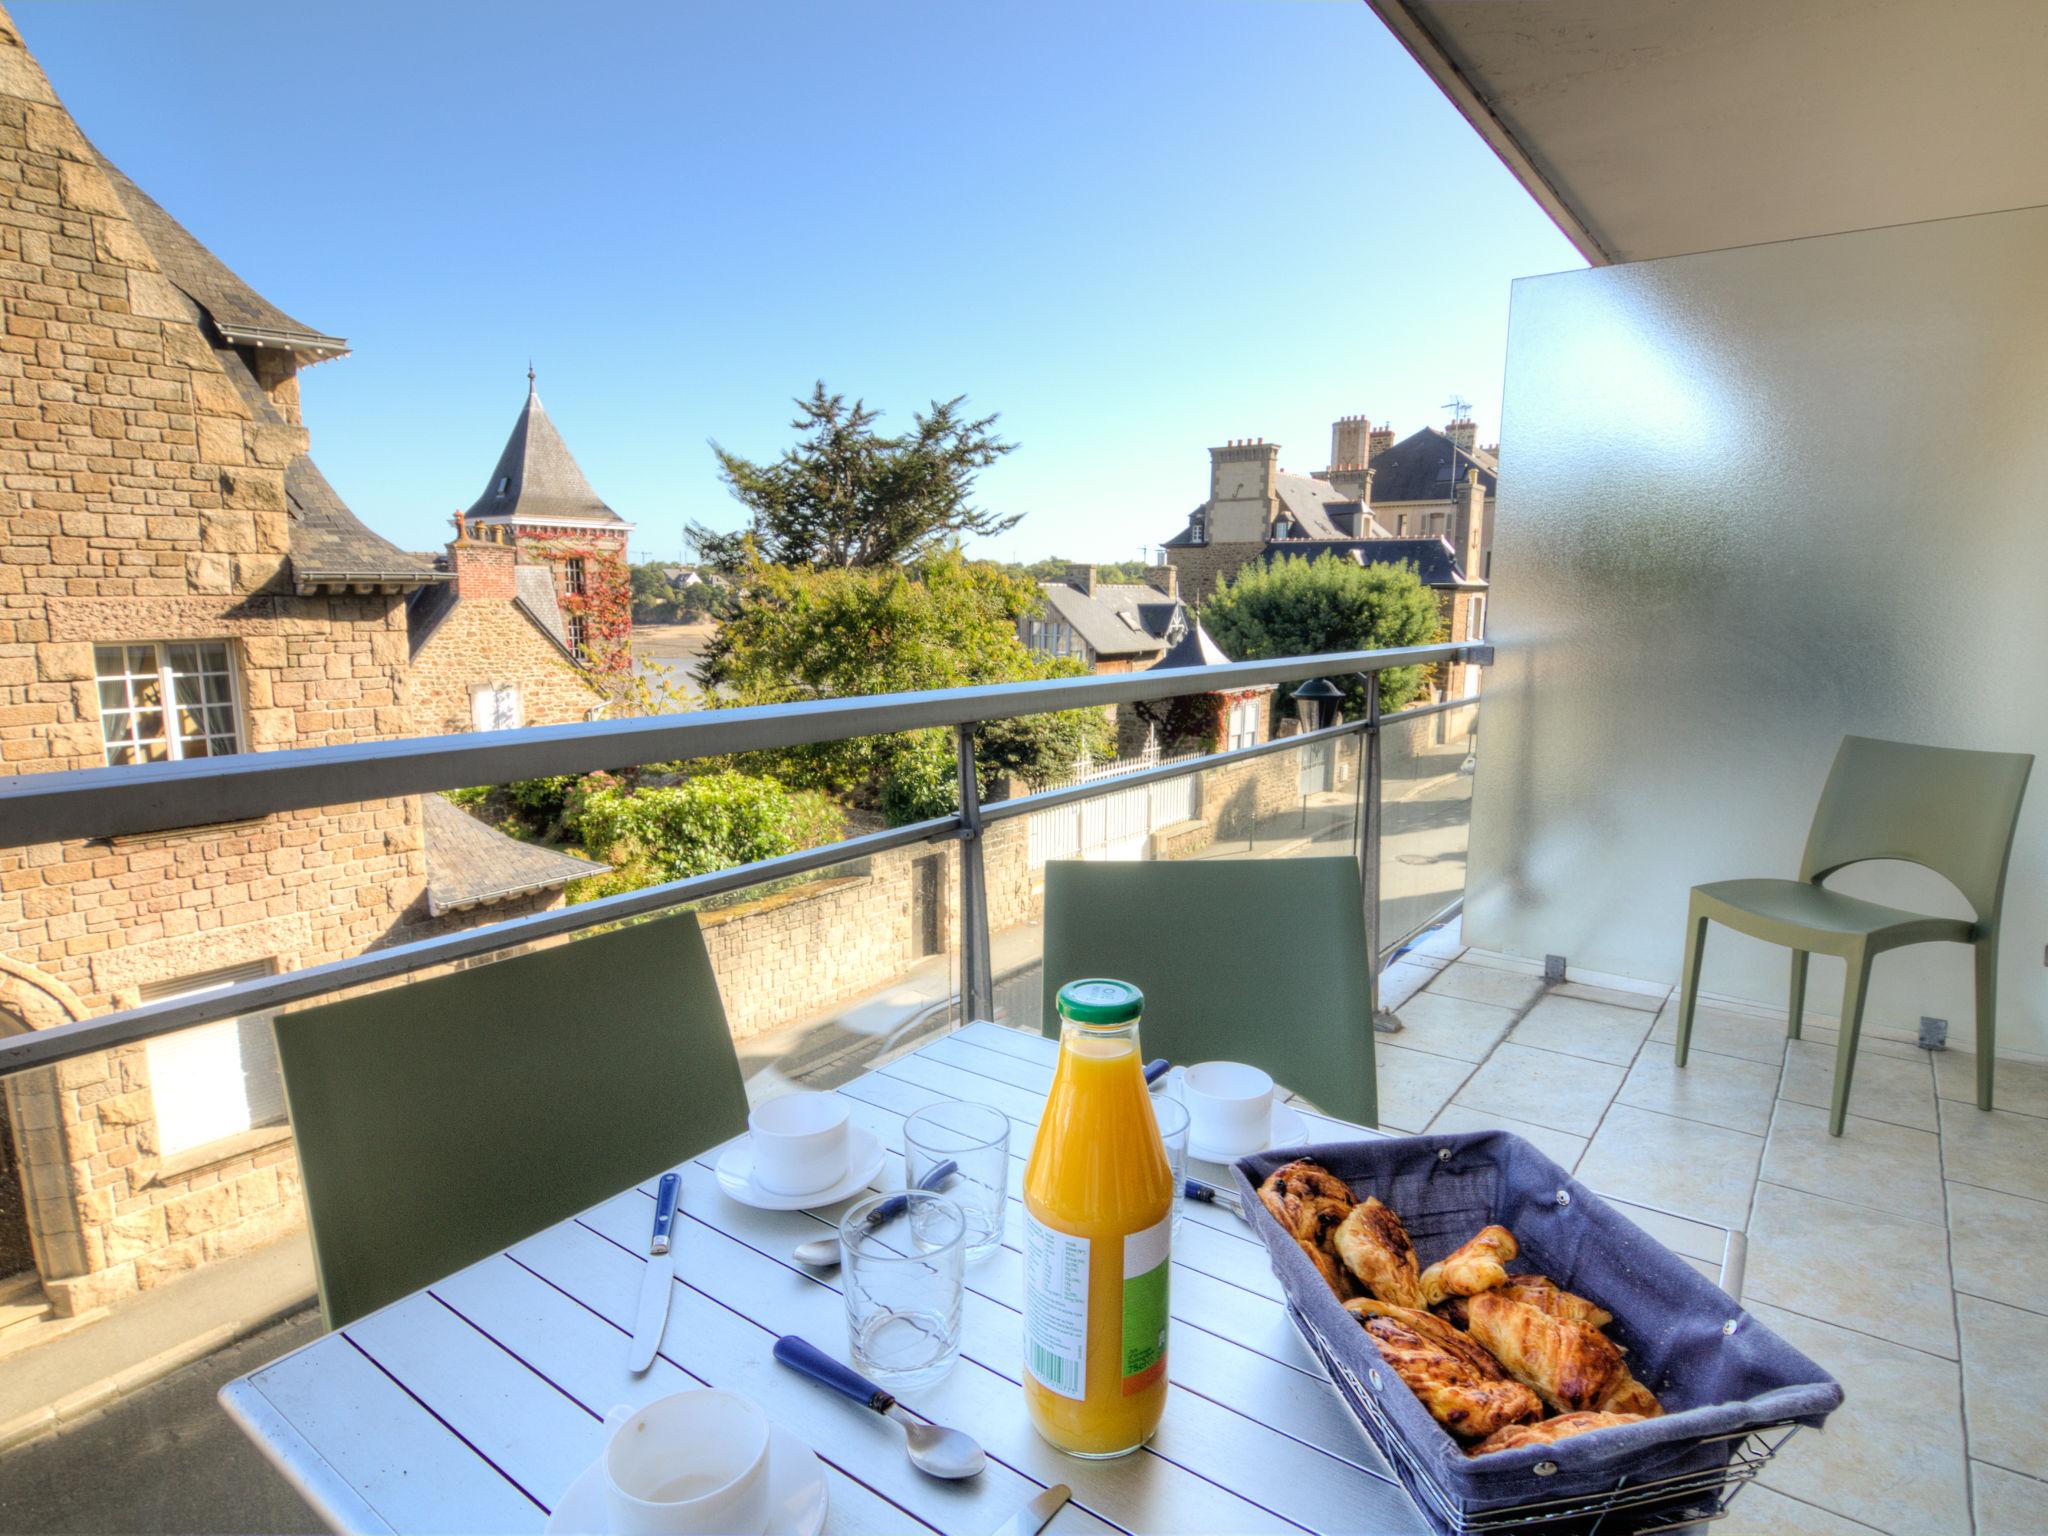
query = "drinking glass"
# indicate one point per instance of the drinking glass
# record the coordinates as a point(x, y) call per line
point(978, 1139)
point(1173, 1131)
point(903, 1286)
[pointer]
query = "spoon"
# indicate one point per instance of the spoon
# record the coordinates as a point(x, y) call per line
point(932, 1448)
point(823, 1252)
point(1209, 1194)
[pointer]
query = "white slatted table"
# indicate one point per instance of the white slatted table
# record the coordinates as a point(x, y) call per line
point(473, 1404)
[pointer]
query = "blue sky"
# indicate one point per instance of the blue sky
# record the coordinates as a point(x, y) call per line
point(1134, 228)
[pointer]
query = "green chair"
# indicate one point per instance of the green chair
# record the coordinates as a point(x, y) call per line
point(442, 1121)
point(1262, 961)
point(1948, 810)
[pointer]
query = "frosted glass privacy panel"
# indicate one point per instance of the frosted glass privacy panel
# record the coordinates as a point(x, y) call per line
point(1753, 500)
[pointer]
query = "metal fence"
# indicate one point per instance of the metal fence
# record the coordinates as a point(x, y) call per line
point(37, 809)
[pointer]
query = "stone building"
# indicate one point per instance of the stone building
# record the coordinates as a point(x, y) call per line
point(1136, 627)
point(1429, 484)
point(177, 579)
point(490, 647)
point(539, 497)
point(1252, 501)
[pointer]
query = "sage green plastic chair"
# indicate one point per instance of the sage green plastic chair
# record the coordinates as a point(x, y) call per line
point(1262, 961)
point(442, 1121)
point(1949, 810)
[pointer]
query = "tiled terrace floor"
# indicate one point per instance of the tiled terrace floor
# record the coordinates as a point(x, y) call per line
point(1909, 1257)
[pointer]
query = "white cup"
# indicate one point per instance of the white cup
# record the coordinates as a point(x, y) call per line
point(799, 1143)
point(1230, 1107)
point(689, 1464)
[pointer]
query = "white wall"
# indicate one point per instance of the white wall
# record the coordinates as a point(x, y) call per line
point(1754, 500)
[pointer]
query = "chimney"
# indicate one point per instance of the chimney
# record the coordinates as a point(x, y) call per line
point(1082, 578)
point(1472, 544)
point(1164, 577)
point(1348, 442)
point(1464, 432)
point(483, 568)
point(1378, 441)
point(1243, 469)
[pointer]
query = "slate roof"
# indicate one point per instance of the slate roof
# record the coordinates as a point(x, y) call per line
point(1434, 559)
point(1420, 468)
point(470, 864)
point(537, 479)
point(329, 546)
point(1193, 649)
point(1313, 504)
point(533, 589)
point(1119, 620)
point(241, 314)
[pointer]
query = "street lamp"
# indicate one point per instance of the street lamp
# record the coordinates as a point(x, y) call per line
point(1316, 703)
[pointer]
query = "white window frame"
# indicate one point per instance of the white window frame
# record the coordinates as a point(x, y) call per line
point(1475, 619)
point(478, 692)
point(1243, 724)
point(575, 576)
point(579, 637)
point(206, 1057)
point(176, 743)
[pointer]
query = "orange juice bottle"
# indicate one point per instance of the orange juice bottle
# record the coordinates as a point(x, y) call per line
point(1098, 1203)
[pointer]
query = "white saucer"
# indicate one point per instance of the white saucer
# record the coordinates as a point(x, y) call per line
point(1286, 1126)
point(864, 1155)
point(796, 1493)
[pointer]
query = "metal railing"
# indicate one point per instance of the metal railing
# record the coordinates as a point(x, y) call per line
point(100, 803)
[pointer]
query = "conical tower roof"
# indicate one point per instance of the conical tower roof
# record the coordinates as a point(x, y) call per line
point(538, 480)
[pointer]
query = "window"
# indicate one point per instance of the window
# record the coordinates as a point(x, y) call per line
point(494, 707)
point(166, 701)
point(214, 1080)
point(1475, 621)
point(572, 576)
point(576, 635)
point(504, 484)
point(1436, 525)
point(1244, 723)
point(1401, 525)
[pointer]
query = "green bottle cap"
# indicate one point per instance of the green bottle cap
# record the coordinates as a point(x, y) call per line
point(1100, 1001)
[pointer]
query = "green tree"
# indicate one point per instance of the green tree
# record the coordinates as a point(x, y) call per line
point(947, 622)
point(654, 600)
point(1303, 607)
point(702, 824)
point(847, 496)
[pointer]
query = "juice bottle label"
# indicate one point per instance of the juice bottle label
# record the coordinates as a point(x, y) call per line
point(1146, 1263)
point(1056, 1308)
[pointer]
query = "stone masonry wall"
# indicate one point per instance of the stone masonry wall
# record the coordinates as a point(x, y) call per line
point(139, 501)
point(494, 643)
point(1202, 566)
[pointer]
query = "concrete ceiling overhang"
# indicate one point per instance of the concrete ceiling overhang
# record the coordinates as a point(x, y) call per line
point(1653, 128)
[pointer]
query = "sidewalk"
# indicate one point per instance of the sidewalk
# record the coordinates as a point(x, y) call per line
point(79, 1374)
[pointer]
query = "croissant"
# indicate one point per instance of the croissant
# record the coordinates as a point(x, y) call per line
point(1629, 1396)
point(1480, 1265)
point(1306, 1198)
point(1572, 1367)
point(1462, 1386)
point(1309, 1201)
point(1563, 1427)
point(1374, 1246)
point(1546, 1295)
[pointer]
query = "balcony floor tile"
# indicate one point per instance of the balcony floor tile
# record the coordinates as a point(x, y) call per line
point(2005, 1391)
point(1995, 1149)
point(2018, 1087)
point(1728, 1091)
point(1414, 1085)
point(1872, 1163)
point(1846, 1264)
point(2007, 1503)
point(1997, 1246)
point(1484, 984)
point(1707, 1172)
point(1892, 1454)
point(1725, 1033)
point(1561, 1147)
point(1567, 1093)
point(1883, 1087)
point(1446, 1025)
point(1576, 1026)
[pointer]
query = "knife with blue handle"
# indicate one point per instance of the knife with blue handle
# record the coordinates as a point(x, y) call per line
point(659, 1279)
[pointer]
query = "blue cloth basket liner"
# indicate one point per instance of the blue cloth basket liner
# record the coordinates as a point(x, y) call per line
point(1715, 1385)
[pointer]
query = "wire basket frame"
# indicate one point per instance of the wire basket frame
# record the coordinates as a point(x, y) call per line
point(1630, 1508)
